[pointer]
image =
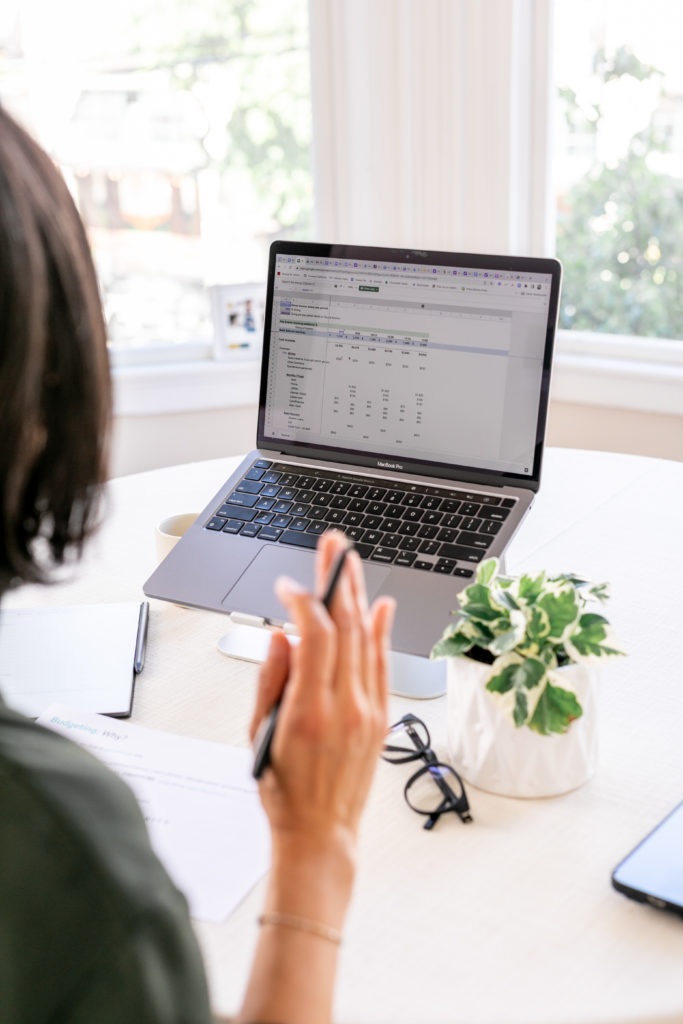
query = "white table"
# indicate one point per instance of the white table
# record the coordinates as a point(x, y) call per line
point(510, 919)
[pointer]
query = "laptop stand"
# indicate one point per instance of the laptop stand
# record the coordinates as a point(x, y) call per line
point(410, 675)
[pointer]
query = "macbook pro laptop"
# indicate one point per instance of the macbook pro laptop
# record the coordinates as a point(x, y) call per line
point(403, 400)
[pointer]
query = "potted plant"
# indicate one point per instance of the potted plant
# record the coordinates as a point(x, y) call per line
point(521, 680)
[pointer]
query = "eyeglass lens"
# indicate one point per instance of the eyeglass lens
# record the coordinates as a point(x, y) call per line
point(431, 786)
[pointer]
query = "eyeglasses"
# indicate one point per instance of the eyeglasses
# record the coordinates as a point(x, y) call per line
point(433, 789)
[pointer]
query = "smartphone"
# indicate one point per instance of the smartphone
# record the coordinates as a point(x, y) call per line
point(653, 872)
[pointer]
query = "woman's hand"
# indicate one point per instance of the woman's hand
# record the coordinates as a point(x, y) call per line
point(332, 719)
point(329, 733)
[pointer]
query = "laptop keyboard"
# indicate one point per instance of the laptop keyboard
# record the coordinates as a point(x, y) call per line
point(428, 528)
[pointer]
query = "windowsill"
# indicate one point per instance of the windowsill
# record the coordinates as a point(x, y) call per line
point(185, 387)
point(639, 374)
point(645, 375)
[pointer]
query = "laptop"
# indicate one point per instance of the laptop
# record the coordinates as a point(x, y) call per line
point(403, 400)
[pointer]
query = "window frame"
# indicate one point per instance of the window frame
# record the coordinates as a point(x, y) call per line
point(426, 65)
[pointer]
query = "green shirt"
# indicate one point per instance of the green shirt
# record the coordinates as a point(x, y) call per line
point(92, 930)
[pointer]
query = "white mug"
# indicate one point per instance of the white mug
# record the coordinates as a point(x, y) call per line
point(169, 531)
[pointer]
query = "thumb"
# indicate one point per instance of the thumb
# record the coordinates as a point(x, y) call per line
point(272, 678)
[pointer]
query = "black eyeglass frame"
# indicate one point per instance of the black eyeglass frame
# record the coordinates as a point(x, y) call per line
point(423, 751)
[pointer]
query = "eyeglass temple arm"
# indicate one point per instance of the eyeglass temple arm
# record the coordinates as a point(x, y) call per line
point(444, 806)
point(407, 754)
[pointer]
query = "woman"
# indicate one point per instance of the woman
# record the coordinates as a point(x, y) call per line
point(91, 928)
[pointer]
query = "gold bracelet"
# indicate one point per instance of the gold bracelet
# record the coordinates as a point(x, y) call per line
point(302, 924)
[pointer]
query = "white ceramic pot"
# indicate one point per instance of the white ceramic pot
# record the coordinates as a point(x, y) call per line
point(490, 752)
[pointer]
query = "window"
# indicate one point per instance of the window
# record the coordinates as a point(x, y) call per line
point(431, 130)
point(618, 167)
point(183, 131)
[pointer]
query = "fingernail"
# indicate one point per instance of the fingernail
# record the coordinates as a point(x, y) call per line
point(286, 585)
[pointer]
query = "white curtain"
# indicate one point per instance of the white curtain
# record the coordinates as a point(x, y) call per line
point(431, 122)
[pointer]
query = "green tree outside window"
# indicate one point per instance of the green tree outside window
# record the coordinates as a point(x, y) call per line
point(618, 228)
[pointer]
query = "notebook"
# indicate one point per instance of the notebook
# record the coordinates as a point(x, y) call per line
point(403, 400)
point(86, 656)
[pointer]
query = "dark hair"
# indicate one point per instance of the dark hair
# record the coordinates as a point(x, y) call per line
point(55, 401)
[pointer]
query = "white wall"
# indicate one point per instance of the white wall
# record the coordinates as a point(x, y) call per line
point(571, 425)
point(148, 442)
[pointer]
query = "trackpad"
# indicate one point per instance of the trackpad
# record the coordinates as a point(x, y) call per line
point(253, 592)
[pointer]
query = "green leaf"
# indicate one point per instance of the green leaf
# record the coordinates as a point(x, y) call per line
point(519, 675)
point(506, 641)
point(600, 591)
point(590, 640)
point(477, 602)
point(548, 656)
point(516, 679)
point(593, 625)
point(523, 674)
point(531, 587)
point(504, 599)
point(538, 626)
point(562, 609)
point(502, 683)
point(482, 611)
point(453, 645)
point(521, 708)
point(555, 710)
point(487, 570)
point(475, 593)
point(479, 630)
point(529, 649)
point(570, 577)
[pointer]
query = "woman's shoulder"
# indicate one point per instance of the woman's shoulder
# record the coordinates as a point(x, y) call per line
point(86, 903)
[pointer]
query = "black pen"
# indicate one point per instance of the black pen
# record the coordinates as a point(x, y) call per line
point(264, 735)
point(141, 641)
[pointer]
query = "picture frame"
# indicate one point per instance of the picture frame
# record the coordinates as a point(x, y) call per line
point(238, 313)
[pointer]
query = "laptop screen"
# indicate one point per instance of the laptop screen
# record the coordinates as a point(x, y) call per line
point(406, 359)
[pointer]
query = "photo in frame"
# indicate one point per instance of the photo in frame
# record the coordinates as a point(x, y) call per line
point(238, 312)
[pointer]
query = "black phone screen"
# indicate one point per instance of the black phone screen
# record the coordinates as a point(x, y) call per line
point(653, 872)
